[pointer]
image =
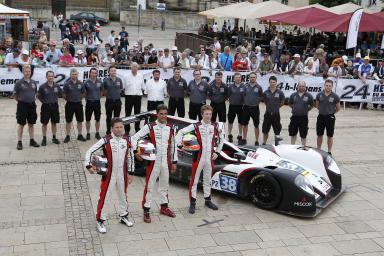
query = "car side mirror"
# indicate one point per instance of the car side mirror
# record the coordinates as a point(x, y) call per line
point(240, 156)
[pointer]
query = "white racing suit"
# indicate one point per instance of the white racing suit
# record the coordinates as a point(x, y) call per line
point(162, 136)
point(208, 136)
point(119, 153)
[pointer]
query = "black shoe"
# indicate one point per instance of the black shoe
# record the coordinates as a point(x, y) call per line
point(19, 145)
point(33, 143)
point(329, 153)
point(211, 205)
point(192, 208)
point(88, 136)
point(242, 142)
point(97, 136)
point(44, 142)
point(81, 138)
point(55, 141)
point(67, 139)
point(239, 138)
point(256, 143)
point(264, 144)
point(230, 138)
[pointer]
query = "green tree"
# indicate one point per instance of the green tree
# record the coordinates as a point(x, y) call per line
point(329, 3)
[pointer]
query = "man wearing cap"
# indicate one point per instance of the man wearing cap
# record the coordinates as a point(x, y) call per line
point(12, 57)
point(152, 60)
point(218, 93)
point(48, 94)
point(197, 91)
point(253, 94)
point(365, 70)
point(156, 90)
point(74, 93)
point(146, 55)
point(328, 104)
point(175, 55)
point(112, 88)
point(93, 106)
point(80, 59)
point(274, 100)
point(300, 102)
point(357, 61)
point(236, 102)
point(176, 88)
point(225, 59)
point(266, 66)
point(25, 94)
point(166, 61)
point(296, 67)
point(52, 56)
point(133, 89)
point(24, 58)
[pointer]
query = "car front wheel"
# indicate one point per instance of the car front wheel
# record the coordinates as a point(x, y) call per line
point(265, 191)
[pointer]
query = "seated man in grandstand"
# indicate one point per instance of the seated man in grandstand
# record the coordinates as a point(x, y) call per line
point(365, 70)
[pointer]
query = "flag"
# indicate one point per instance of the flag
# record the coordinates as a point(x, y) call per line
point(382, 43)
point(353, 29)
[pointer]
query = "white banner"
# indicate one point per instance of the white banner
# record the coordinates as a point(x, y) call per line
point(376, 92)
point(353, 90)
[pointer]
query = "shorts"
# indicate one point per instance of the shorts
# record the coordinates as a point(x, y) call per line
point(49, 111)
point(298, 124)
point(271, 119)
point(325, 122)
point(74, 108)
point(26, 112)
point(251, 112)
point(233, 111)
point(92, 107)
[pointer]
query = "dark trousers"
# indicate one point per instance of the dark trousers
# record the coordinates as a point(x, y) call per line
point(132, 102)
point(152, 105)
point(112, 107)
point(194, 110)
point(176, 104)
point(219, 109)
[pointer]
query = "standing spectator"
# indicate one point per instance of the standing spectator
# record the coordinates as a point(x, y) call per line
point(134, 86)
point(97, 31)
point(253, 94)
point(365, 70)
point(84, 27)
point(215, 27)
point(296, 67)
point(74, 93)
point(166, 61)
point(216, 44)
point(112, 88)
point(111, 37)
point(43, 38)
point(328, 104)
point(300, 102)
point(24, 93)
point(212, 62)
point(91, 43)
point(236, 102)
point(176, 88)
point(63, 29)
point(156, 90)
point(225, 59)
point(52, 56)
point(124, 38)
point(48, 94)
point(217, 93)
point(357, 61)
point(274, 100)
point(55, 21)
point(197, 90)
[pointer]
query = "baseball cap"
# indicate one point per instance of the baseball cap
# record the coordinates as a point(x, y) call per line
point(25, 52)
point(366, 58)
point(296, 55)
point(358, 55)
point(80, 52)
point(174, 48)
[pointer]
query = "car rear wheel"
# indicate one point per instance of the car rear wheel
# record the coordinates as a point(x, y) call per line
point(265, 191)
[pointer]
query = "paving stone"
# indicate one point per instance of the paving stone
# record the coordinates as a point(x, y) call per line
point(320, 230)
point(190, 242)
point(279, 233)
point(236, 237)
point(268, 252)
point(143, 246)
point(313, 250)
point(355, 226)
point(357, 246)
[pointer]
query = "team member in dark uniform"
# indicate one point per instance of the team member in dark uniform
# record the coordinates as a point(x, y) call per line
point(300, 102)
point(74, 93)
point(48, 94)
point(25, 94)
point(252, 96)
point(112, 88)
point(93, 106)
point(236, 102)
point(176, 87)
point(198, 91)
point(273, 99)
point(218, 92)
point(328, 104)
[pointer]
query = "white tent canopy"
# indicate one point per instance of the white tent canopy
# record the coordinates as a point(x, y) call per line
point(11, 13)
point(347, 8)
point(247, 10)
point(318, 6)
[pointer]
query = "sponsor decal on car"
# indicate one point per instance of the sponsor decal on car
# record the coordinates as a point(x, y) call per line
point(303, 203)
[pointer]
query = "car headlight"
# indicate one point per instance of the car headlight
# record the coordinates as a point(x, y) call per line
point(303, 183)
point(332, 166)
point(290, 166)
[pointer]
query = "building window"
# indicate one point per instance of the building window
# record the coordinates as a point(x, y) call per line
point(284, 2)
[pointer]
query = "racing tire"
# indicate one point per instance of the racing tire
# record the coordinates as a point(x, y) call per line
point(265, 191)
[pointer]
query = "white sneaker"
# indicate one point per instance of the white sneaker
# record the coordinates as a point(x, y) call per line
point(101, 227)
point(124, 220)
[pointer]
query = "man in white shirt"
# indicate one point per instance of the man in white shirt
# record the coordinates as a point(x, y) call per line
point(111, 37)
point(12, 57)
point(156, 90)
point(215, 28)
point(216, 44)
point(133, 89)
point(204, 59)
point(80, 59)
point(166, 61)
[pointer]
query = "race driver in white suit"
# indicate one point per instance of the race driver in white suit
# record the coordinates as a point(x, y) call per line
point(208, 135)
point(118, 151)
point(162, 136)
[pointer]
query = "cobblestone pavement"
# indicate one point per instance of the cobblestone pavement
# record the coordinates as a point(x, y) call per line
point(48, 204)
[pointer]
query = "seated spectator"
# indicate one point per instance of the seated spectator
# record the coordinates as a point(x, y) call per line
point(266, 66)
point(195, 62)
point(66, 59)
point(103, 52)
point(152, 60)
point(365, 70)
point(357, 62)
point(334, 70)
point(80, 59)
point(8, 44)
point(350, 69)
point(38, 60)
point(239, 64)
point(184, 61)
point(146, 54)
point(203, 58)
point(122, 58)
point(225, 59)
point(67, 44)
point(323, 67)
point(109, 61)
point(166, 61)
point(315, 59)
point(24, 58)
point(35, 50)
point(91, 43)
point(138, 58)
point(12, 57)
point(212, 62)
point(93, 59)
point(2, 55)
point(117, 45)
point(43, 38)
point(281, 67)
point(175, 55)
point(379, 72)
point(296, 67)
point(309, 69)
point(52, 56)
point(253, 65)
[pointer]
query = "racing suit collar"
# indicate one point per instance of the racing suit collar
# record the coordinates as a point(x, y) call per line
point(115, 137)
point(203, 123)
point(160, 124)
